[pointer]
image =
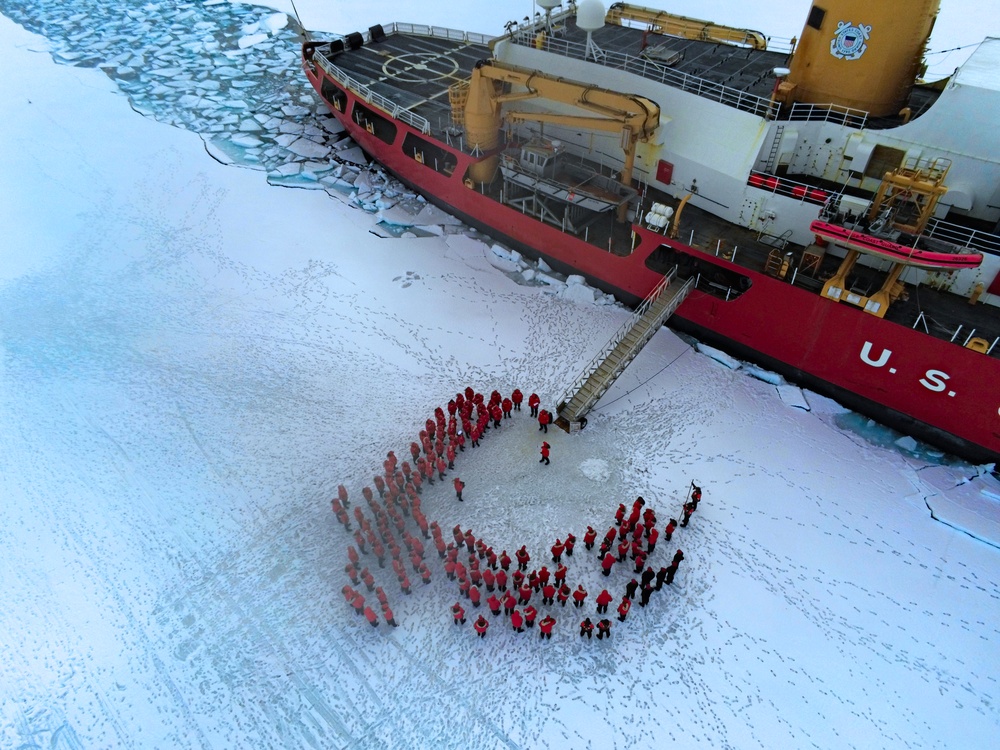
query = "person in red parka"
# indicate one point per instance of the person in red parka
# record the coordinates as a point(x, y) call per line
point(533, 403)
point(579, 596)
point(603, 629)
point(504, 560)
point(516, 398)
point(371, 617)
point(525, 594)
point(560, 574)
point(481, 625)
point(570, 544)
point(545, 454)
point(501, 578)
point(607, 563)
point(586, 628)
point(651, 539)
point(458, 612)
point(603, 600)
point(545, 626)
point(544, 419)
point(623, 608)
point(548, 594)
point(459, 486)
point(494, 604)
point(623, 549)
point(509, 602)
point(558, 548)
point(523, 558)
point(358, 604)
point(475, 595)
point(530, 613)
point(489, 579)
point(517, 621)
point(563, 594)
point(589, 537)
point(389, 619)
point(669, 531)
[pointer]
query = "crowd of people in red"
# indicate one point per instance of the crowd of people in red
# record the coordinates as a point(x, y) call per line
point(482, 576)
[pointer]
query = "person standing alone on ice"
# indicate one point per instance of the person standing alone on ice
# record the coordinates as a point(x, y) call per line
point(481, 625)
point(545, 454)
point(459, 486)
point(533, 403)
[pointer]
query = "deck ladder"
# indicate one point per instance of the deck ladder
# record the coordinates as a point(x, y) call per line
point(628, 341)
point(769, 166)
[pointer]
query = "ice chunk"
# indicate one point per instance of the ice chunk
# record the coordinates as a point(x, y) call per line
point(721, 357)
point(353, 155)
point(247, 141)
point(274, 22)
point(793, 396)
point(251, 40)
point(549, 279)
point(501, 252)
point(766, 375)
point(286, 170)
point(309, 149)
point(580, 293)
point(575, 279)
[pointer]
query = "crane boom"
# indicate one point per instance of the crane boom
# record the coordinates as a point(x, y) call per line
point(634, 116)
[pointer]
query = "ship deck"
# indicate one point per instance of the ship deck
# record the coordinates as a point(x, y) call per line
point(413, 69)
point(413, 66)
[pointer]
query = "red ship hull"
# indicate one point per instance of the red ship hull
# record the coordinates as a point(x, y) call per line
point(919, 384)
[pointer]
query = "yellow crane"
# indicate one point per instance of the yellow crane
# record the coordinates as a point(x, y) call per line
point(495, 85)
point(689, 28)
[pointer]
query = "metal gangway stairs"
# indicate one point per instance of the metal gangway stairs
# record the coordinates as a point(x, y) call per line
point(602, 371)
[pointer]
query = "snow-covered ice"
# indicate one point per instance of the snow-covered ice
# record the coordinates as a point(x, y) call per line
point(191, 361)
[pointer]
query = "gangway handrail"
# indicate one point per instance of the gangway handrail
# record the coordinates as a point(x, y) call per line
point(617, 337)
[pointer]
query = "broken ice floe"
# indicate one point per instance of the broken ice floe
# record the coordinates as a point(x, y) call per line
point(793, 396)
point(719, 356)
point(231, 72)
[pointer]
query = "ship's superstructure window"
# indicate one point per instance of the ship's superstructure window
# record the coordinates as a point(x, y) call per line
point(816, 16)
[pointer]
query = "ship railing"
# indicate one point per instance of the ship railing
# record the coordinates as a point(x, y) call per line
point(852, 118)
point(800, 191)
point(388, 106)
point(963, 237)
point(440, 32)
point(732, 97)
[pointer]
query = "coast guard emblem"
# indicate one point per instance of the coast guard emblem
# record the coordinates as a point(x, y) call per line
point(849, 43)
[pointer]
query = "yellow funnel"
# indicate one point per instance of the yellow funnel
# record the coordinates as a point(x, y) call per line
point(861, 54)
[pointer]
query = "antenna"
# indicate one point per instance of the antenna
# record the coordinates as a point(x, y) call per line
point(302, 29)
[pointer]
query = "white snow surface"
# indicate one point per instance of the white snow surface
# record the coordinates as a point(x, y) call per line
point(191, 361)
